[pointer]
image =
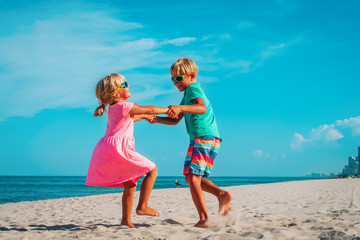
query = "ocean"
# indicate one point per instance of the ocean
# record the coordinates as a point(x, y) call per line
point(17, 188)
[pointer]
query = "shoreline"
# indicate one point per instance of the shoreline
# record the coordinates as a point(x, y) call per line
point(19, 189)
point(310, 209)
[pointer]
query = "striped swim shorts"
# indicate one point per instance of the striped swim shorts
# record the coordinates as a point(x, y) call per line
point(201, 155)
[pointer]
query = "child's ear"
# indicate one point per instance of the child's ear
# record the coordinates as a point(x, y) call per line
point(116, 94)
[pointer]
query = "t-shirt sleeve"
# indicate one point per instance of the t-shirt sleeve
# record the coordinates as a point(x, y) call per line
point(194, 93)
point(126, 108)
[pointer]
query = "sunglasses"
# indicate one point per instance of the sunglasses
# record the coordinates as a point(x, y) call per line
point(124, 85)
point(180, 77)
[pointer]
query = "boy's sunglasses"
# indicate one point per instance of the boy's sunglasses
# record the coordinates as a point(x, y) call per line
point(180, 78)
point(124, 85)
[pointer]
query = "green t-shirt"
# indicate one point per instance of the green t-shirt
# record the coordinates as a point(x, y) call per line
point(198, 125)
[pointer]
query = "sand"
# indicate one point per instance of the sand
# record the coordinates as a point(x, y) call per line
point(316, 209)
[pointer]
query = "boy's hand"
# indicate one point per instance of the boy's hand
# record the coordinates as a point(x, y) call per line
point(173, 111)
point(151, 119)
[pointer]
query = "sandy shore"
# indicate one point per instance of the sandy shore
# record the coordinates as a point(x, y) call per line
point(320, 209)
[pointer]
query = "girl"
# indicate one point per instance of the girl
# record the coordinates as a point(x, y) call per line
point(114, 162)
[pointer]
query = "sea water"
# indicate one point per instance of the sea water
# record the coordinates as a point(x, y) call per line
point(27, 188)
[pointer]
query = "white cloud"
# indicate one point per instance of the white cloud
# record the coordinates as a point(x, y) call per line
point(328, 133)
point(245, 65)
point(258, 153)
point(271, 49)
point(180, 41)
point(225, 36)
point(242, 65)
point(325, 132)
point(122, 46)
point(56, 62)
point(204, 38)
point(352, 123)
point(298, 140)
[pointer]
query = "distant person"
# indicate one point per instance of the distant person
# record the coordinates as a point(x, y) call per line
point(114, 162)
point(204, 138)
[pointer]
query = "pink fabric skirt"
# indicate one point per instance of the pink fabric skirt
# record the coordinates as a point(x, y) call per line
point(114, 161)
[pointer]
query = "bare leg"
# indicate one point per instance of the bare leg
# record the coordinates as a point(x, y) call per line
point(146, 187)
point(223, 196)
point(198, 197)
point(127, 203)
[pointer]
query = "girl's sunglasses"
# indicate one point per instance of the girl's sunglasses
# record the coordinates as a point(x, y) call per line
point(180, 78)
point(124, 85)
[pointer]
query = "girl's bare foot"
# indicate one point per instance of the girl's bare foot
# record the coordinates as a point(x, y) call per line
point(147, 211)
point(224, 203)
point(203, 224)
point(127, 223)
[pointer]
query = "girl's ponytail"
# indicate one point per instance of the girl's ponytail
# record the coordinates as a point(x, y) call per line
point(99, 111)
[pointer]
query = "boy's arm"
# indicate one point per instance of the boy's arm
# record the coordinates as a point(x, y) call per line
point(199, 107)
point(168, 120)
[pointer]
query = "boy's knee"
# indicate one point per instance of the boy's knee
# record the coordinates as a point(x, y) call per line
point(187, 178)
point(191, 178)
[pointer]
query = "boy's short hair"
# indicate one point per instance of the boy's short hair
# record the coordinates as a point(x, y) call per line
point(184, 66)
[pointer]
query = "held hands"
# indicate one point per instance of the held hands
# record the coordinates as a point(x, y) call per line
point(173, 111)
point(151, 119)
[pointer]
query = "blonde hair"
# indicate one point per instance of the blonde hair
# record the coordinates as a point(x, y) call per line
point(104, 90)
point(184, 66)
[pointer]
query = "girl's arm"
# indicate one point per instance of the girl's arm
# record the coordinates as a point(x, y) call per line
point(168, 120)
point(137, 109)
point(147, 117)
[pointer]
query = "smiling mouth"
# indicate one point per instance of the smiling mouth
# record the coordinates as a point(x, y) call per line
point(180, 86)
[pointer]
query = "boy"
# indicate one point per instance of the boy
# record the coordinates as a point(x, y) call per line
point(204, 138)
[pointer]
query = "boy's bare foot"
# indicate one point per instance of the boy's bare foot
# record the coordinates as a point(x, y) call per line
point(224, 203)
point(127, 223)
point(203, 224)
point(147, 211)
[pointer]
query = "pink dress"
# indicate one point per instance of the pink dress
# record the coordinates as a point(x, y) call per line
point(114, 160)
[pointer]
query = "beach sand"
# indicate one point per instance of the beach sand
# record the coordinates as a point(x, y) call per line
point(315, 209)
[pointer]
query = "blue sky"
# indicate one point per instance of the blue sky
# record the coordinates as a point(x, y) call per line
point(282, 77)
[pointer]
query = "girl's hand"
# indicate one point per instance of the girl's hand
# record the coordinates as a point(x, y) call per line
point(151, 119)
